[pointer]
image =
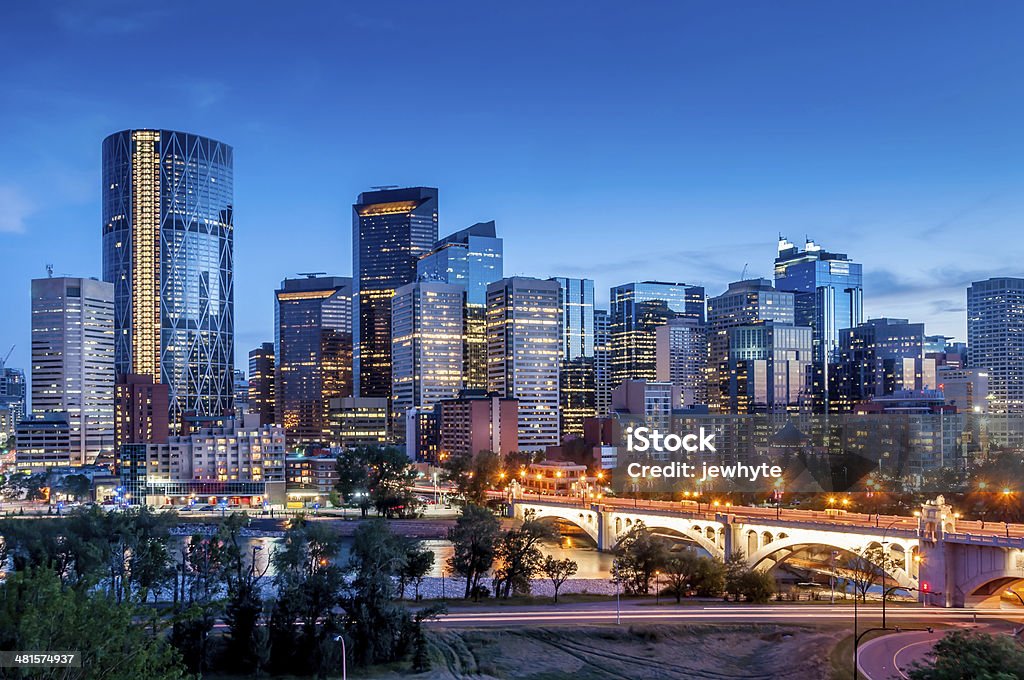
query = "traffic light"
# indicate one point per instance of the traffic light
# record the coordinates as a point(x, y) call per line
point(925, 586)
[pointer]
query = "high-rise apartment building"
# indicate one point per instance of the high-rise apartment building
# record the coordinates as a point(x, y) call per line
point(523, 341)
point(12, 398)
point(312, 353)
point(682, 355)
point(475, 422)
point(73, 361)
point(637, 309)
point(829, 298)
point(995, 339)
point(577, 373)
point(426, 347)
point(472, 258)
point(261, 382)
point(140, 409)
point(391, 230)
point(602, 362)
point(168, 248)
point(744, 303)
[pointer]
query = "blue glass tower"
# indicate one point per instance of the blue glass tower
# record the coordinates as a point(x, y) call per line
point(829, 292)
point(168, 248)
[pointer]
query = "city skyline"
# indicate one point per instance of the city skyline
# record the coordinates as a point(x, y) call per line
point(878, 164)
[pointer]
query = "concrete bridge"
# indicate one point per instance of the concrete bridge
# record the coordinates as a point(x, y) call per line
point(945, 564)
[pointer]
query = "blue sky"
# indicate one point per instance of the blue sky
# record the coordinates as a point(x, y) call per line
point(620, 141)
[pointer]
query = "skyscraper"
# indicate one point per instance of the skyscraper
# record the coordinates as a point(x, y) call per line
point(879, 358)
point(426, 347)
point(313, 353)
point(602, 362)
point(637, 309)
point(12, 399)
point(168, 248)
point(995, 341)
point(261, 382)
point(769, 368)
point(523, 340)
point(73, 361)
point(472, 258)
point(829, 298)
point(682, 351)
point(391, 229)
point(578, 380)
point(744, 303)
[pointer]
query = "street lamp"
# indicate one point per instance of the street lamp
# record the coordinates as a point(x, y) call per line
point(657, 588)
point(344, 666)
point(884, 598)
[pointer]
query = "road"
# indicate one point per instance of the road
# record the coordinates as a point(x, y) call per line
point(889, 656)
point(645, 611)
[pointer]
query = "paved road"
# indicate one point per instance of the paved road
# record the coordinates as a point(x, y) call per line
point(647, 612)
point(889, 656)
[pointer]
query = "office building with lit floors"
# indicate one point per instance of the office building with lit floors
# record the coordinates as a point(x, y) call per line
point(829, 298)
point(477, 421)
point(73, 361)
point(261, 382)
point(769, 369)
point(523, 347)
point(140, 411)
point(391, 230)
point(471, 257)
point(312, 353)
point(995, 317)
point(602, 363)
point(426, 347)
point(577, 372)
point(12, 397)
point(682, 355)
point(237, 463)
point(637, 309)
point(168, 249)
point(42, 441)
point(358, 421)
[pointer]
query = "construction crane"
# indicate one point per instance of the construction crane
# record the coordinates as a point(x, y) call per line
point(743, 274)
point(7, 356)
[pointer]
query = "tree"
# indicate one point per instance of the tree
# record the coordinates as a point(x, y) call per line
point(558, 571)
point(380, 477)
point(969, 655)
point(474, 539)
point(637, 556)
point(682, 569)
point(36, 612)
point(75, 487)
point(864, 568)
point(733, 571)
point(756, 586)
point(354, 478)
point(418, 563)
point(474, 476)
point(518, 552)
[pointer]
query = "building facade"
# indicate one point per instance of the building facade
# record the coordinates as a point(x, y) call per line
point(391, 230)
point(995, 317)
point(880, 357)
point(168, 249)
point(769, 368)
point(472, 258)
point(358, 421)
point(312, 353)
point(262, 399)
point(43, 440)
point(476, 422)
point(523, 346)
point(12, 398)
point(577, 373)
point(602, 363)
point(73, 361)
point(426, 347)
point(140, 412)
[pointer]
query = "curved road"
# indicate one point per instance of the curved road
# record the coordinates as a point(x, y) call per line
point(888, 657)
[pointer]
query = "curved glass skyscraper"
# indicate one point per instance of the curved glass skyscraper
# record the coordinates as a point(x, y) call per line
point(168, 243)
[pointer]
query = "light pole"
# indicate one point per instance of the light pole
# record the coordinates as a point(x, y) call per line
point(344, 666)
point(657, 588)
point(884, 598)
point(832, 578)
point(618, 608)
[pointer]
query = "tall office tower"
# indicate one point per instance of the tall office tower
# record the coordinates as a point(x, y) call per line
point(426, 347)
point(391, 230)
point(523, 341)
point(879, 358)
point(140, 411)
point(73, 361)
point(649, 400)
point(743, 303)
point(240, 388)
point(12, 398)
point(168, 248)
point(769, 368)
point(602, 363)
point(472, 258)
point(995, 317)
point(261, 382)
point(637, 309)
point(312, 353)
point(682, 353)
point(577, 373)
point(829, 298)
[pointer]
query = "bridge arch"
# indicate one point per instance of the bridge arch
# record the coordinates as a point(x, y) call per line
point(987, 588)
point(767, 556)
point(582, 518)
point(696, 537)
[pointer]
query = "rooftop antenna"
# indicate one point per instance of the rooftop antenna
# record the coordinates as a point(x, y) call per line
point(311, 275)
point(49, 271)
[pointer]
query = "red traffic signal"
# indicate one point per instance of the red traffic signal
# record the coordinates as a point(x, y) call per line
point(925, 587)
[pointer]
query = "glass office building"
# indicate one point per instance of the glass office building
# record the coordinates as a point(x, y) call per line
point(602, 362)
point(995, 317)
point(829, 298)
point(168, 248)
point(312, 353)
point(637, 309)
point(391, 229)
point(577, 375)
point(471, 258)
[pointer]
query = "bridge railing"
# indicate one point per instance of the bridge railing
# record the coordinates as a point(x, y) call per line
point(983, 539)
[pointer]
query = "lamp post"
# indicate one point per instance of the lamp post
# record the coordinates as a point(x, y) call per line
point(657, 588)
point(884, 598)
point(344, 666)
